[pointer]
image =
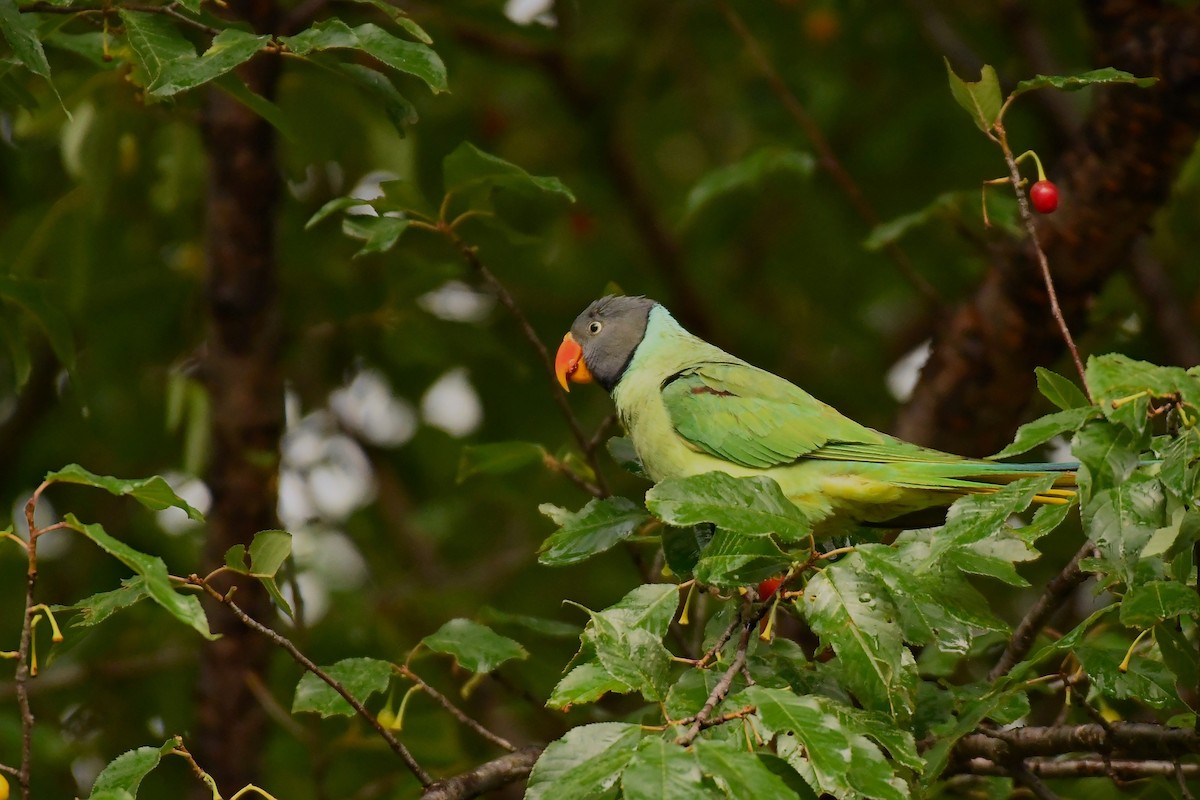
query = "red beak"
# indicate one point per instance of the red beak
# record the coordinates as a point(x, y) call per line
point(569, 364)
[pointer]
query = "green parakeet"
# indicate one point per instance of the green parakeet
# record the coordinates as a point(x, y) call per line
point(691, 408)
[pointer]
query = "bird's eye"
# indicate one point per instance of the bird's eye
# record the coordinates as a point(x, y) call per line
point(595, 327)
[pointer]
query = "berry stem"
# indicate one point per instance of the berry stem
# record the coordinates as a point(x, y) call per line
point(1000, 136)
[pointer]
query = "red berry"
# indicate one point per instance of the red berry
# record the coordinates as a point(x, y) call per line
point(1044, 196)
point(767, 587)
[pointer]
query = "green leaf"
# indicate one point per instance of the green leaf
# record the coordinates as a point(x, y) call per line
point(268, 551)
point(1121, 521)
point(1108, 455)
point(1070, 83)
point(748, 173)
point(184, 607)
point(585, 683)
point(827, 744)
point(95, 609)
point(154, 493)
point(361, 677)
point(155, 45)
point(379, 234)
point(475, 647)
point(1059, 390)
point(1149, 603)
point(124, 774)
point(936, 606)
point(849, 609)
point(498, 459)
point(650, 607)
point(754, 506)
point(468, 168)
point(662, 770)
point(1042, 430)
point(1146, 680)
point(596, 527)
point(980, 99)
point(1176, 536)
point(230, 48)
point(634, 656)
point(740, 774)
point(1115, 377)
point(21, 32)
point(733, 559)
point(585, 764)
point(411, 58)
point(974, 518)
point(552, 628)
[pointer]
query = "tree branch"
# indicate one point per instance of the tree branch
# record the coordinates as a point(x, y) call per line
point(1057, 591)
point(486, 777)
point(1129, 739)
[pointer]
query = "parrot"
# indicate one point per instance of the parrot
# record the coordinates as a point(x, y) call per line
point(690, 408)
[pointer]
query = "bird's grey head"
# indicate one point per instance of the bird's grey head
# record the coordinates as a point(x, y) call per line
point(609, 331)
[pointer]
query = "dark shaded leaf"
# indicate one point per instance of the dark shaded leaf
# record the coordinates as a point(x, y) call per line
point(499, 458)
point(740, 774)
point(468, 168)
point(747, 174)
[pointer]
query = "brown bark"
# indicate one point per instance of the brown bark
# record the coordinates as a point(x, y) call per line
point(241, 368)
point(1118, 172)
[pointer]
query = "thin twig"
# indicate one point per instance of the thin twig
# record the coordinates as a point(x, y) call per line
point(25, 648)
point(721, 690)
point(282, 641)
point(1014, 172)
point(1057, 591)
point(455, 711)
point(471, 256)
point(825, 155)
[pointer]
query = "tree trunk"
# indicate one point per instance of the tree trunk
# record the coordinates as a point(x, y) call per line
point(241, 368)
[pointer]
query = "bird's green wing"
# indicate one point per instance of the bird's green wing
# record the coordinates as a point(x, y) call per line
point(750, 417)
